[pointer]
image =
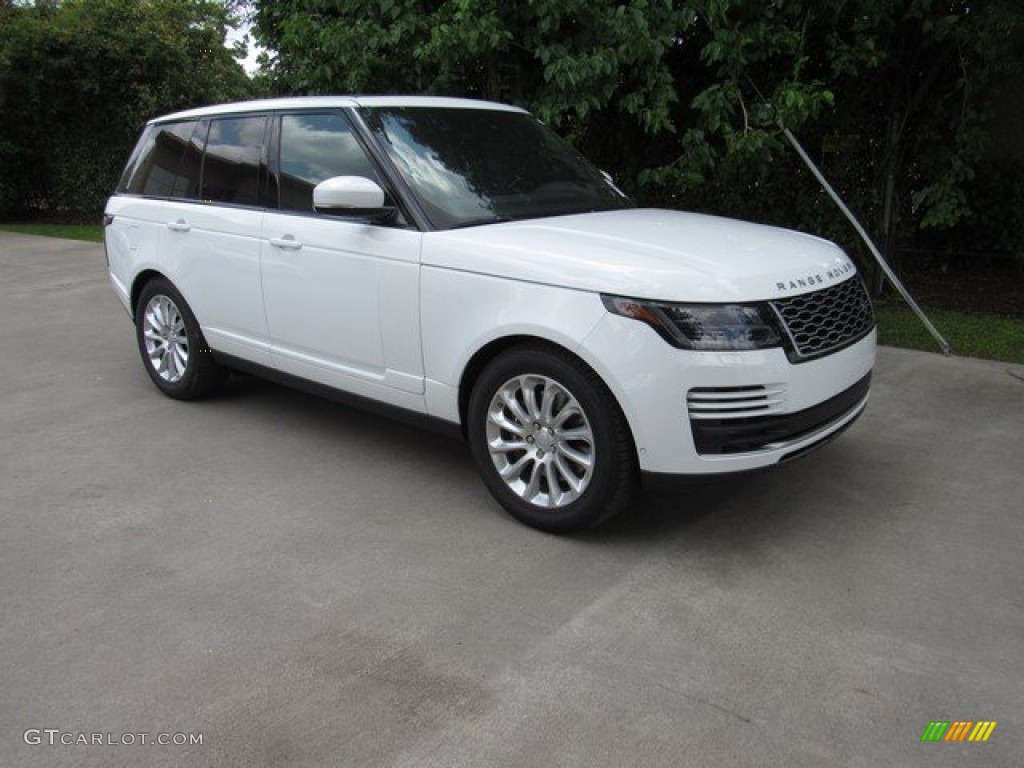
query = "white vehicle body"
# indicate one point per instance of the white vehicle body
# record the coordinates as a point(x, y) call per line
point(403, 315)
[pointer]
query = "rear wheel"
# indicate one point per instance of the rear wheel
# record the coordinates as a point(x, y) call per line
point(173, 349)
point(550, 441)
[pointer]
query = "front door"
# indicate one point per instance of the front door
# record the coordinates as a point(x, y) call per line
point(341, 296)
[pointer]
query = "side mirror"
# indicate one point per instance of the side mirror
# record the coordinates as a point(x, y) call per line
point(351, 197)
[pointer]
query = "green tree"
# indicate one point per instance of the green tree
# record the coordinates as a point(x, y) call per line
point(566, 58)
point(894, 98)
point(595, 69)
point(79, 78)
point(682, 101)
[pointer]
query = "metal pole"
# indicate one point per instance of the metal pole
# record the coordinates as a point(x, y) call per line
point(943, 344)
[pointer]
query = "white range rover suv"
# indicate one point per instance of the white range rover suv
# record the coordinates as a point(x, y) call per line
point(456, 260)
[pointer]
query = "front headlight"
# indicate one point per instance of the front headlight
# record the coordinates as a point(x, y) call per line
point(705, 327)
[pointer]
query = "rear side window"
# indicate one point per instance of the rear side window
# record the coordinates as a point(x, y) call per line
point(315, 147)
point(165, 162)
point(231, 165)
point(145, 141)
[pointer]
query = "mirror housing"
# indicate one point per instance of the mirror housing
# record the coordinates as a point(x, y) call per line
point(351, 197)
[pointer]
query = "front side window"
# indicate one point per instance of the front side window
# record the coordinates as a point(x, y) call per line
point(316, 147)
point(163, 167)
point(477, 166)
point(231, 163)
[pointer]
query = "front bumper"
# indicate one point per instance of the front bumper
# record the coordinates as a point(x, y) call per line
point(746, 434)
point(699, 413)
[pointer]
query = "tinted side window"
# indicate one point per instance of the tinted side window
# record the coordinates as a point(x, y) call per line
point(231, 165)
point(159, 170)
point(313, 148)
point(141, 147)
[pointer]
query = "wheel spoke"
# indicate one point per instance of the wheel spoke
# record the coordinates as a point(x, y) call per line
point(507, 446)
point(571, 479)
point(554, 487)
point(172, 364)
point(533, 486)
point(569, 410)
point(512, 472)
point(576, 457)
point(180, 358)
point(547, 402)
point(577, 434)
point(498, 418)
point(527, 385)
point(513, 405)
point(163, 362)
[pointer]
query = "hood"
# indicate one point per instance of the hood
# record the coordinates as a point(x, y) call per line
point(646, 253)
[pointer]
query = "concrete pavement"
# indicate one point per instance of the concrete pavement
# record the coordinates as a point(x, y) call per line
point(304, 584)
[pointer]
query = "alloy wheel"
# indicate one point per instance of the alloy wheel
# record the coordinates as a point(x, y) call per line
point(540, 441)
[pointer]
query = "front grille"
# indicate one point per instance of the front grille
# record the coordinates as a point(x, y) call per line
point(825, 321)
point(726, 435)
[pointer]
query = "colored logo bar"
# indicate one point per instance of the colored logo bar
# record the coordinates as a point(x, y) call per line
point(959, 730)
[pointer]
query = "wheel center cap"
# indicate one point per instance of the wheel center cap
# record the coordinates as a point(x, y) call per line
point(544, 438)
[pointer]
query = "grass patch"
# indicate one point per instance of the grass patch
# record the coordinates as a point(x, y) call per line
point(986, 336)
point(91, 233)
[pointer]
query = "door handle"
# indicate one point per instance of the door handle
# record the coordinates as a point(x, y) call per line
point(288, 242)
point(179, 226)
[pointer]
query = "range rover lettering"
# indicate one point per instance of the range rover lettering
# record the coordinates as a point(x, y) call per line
point(457, 260)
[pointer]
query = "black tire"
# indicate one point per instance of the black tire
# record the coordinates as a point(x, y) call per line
point(174, 352)
point(543, 373)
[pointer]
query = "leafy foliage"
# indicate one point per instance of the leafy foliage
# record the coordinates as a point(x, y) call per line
point(565, 59)
point(876, 89)
point(682, 101)
point(79, 78)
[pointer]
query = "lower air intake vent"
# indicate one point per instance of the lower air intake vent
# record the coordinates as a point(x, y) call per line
point(734, 402)
point(758, 431)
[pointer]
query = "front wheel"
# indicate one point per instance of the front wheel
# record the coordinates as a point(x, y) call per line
point(550, 441)
point(172, 346)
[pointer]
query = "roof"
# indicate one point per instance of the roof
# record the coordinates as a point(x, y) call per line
point(336, 102)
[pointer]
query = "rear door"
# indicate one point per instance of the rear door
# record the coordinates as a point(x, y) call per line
point(211, 243)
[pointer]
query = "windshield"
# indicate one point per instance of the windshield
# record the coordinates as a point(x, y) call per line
point(476, 166)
